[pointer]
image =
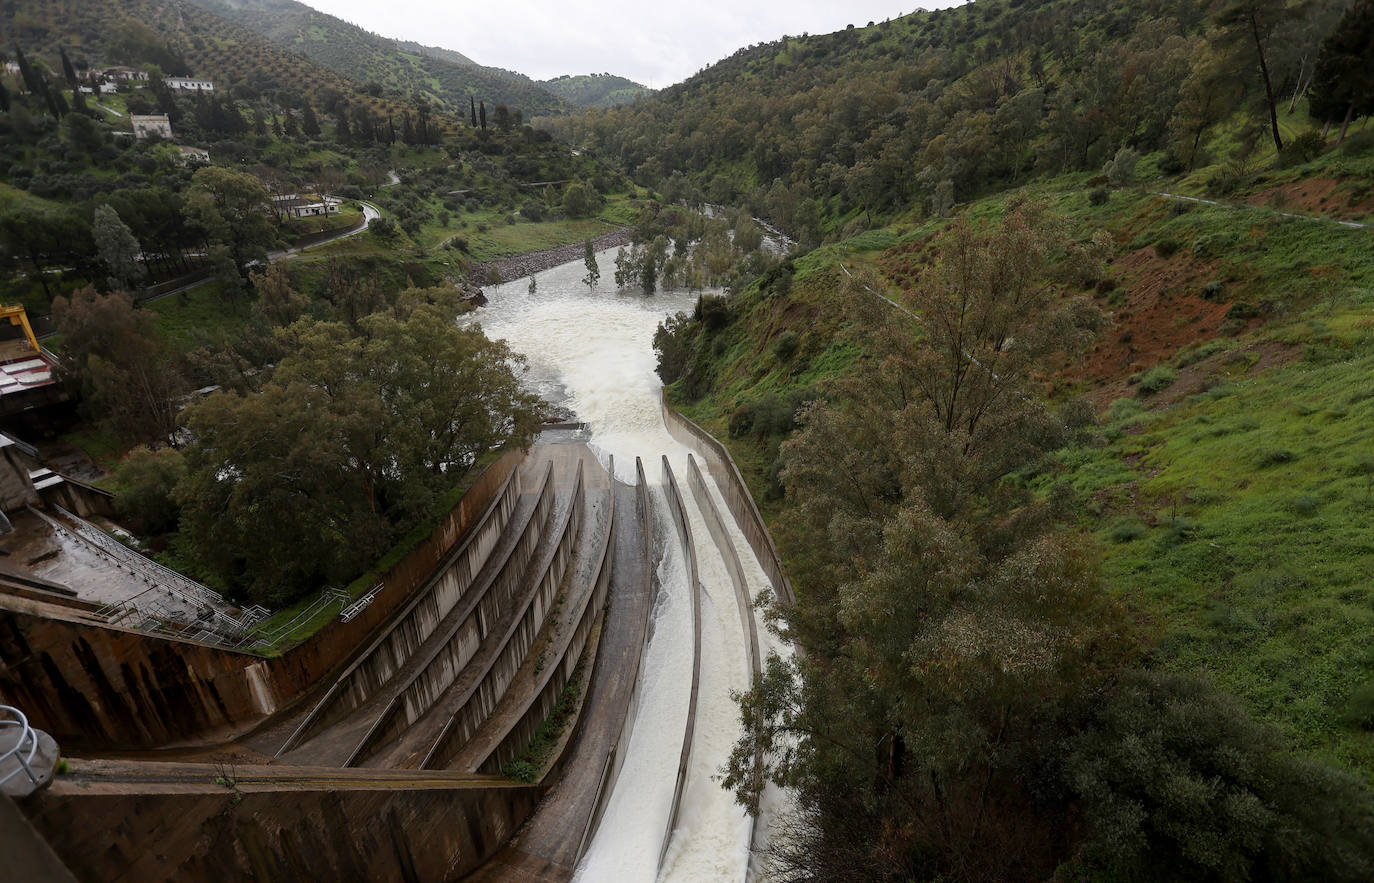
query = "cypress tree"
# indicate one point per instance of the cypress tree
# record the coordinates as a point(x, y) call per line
point(310, 125)
point(67, 70)
point(26, 73)
point(341, 133)
point(4, 99)
point(482, 114)
point(472, 104)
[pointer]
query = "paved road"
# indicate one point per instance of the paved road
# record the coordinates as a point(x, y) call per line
point(370, 214)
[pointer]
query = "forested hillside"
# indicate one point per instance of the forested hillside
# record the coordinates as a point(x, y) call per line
point(381, 65)
point(1059, 411)
point(595, 90)
point(827, 134)
point(161, 266)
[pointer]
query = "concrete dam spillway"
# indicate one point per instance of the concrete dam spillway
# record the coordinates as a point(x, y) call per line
point(619, 561)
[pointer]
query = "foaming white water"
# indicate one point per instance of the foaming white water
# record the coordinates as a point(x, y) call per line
point(630, 837)
point(712, 837)
point(591, 351)
point(775, 804)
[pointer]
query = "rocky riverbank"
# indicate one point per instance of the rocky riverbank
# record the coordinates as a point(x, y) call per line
point(510, 268)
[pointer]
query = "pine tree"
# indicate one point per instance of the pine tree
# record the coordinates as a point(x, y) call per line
point(119, 250)
point(1343, 83)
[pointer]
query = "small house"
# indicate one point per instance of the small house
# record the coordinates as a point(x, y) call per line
point(147, 125)
point(187, 84)
point(305, 206)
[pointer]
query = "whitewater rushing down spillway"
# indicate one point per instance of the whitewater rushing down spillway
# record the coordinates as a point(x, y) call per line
point(590, 350)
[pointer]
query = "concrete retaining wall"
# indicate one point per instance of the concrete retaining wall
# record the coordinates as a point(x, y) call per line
point(403, 637)
point(337, 831)
point(737, 497)
point(558, 670)
point(684, 532)
point(478, 702)
point(99, 687)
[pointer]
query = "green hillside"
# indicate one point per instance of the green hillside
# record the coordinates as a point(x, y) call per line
point(595, 90)
point(381, 65)
point(1059, 414)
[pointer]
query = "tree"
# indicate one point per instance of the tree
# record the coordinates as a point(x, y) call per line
point(67, 70)
point(4, 99)
point(1253, 23)
point(1178, 782)
point(946, 625)
point(593, 276)
point(119, 250)
point(278, 302)
point(129, 379)
point(353, 440)
point(472, 106)
point(231, 209)
point(310, 124)
point(32, 79)
point(144, 484)
point(502, 117)
point(1343, 82)
point(482, 114)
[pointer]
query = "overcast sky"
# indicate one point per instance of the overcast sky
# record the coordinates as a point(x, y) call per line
point(652, 42)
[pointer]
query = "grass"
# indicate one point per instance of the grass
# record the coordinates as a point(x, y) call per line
point(530, 764)
point(199, 317)
point(1236, 523)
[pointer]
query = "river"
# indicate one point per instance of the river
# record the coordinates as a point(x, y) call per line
point(590, 350)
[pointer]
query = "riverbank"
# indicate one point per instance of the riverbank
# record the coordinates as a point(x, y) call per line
point(539, 261)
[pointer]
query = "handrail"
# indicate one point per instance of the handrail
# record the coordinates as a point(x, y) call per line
point(16, 752)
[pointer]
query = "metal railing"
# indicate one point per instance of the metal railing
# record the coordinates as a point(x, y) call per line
point(361, 604)
point(211, 624)
point(16, 719)
point(269, 640)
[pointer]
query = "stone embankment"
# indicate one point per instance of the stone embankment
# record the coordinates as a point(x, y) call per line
point(539, 261)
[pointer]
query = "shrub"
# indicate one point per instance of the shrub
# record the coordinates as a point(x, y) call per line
point(712, 311)
point(1099, 196)
point(1273, 457)
point(1127, 530)
point(1359, 708)
point(1302, 149)
point(1178, 782)
point(533, 209)
point(786, 345)
point(1167, 247)
point(1123, 409)
point(1157, 379)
